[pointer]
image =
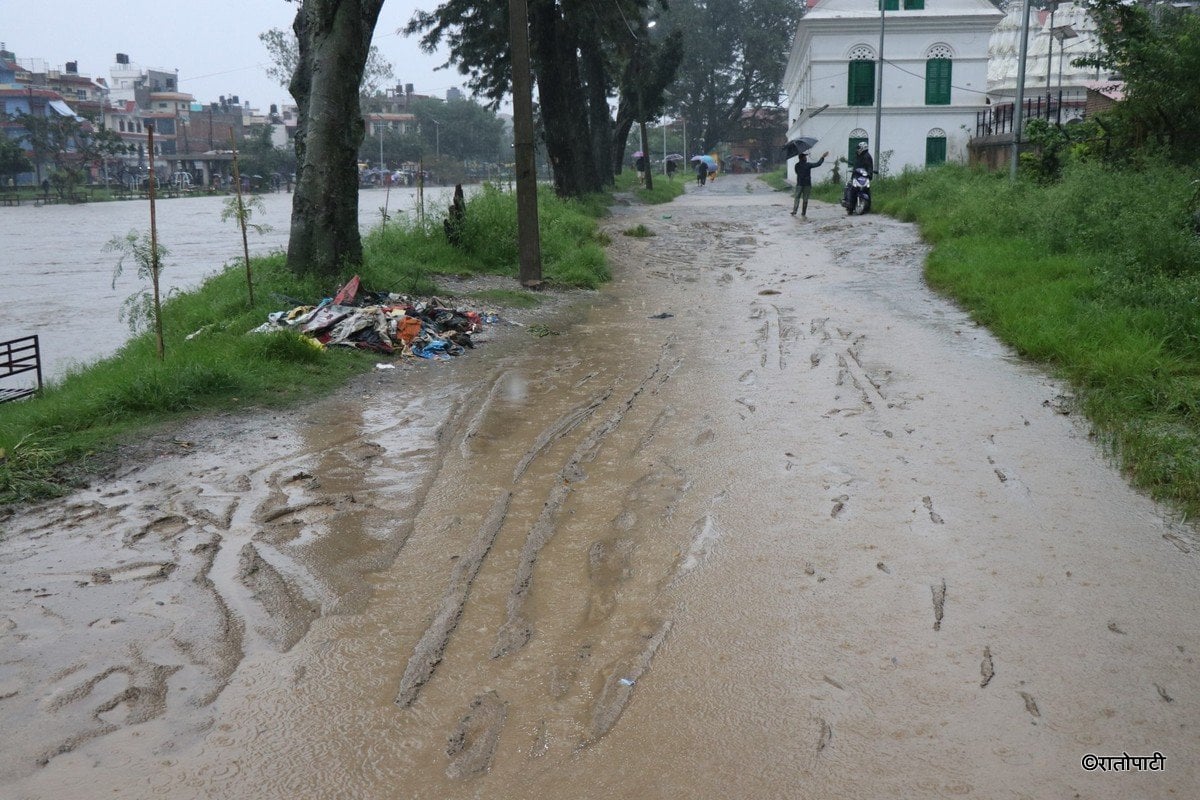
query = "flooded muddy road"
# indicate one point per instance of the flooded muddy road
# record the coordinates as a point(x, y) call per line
point(765, 518)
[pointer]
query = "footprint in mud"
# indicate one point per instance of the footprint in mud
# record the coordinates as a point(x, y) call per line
point(563, 676)
point(939, 603)
point(986, 668)
point(119, 696)
point(703, 438)
point(610, 563)
point(163, 528)
point(839, 505)
point(747, 377)
point(289, 612)
point(705, 534)
point(472, 746)
point(934, 517)
point(1030, 704)
point(824, 734)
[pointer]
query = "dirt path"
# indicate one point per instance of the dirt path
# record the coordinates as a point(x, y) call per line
point(765, 519)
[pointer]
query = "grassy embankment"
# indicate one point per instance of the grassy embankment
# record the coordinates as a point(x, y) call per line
point(1096, 276)
point(46, 441)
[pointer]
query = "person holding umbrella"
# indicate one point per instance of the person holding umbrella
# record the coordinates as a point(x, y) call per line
point(804, 170)
point(701, 171)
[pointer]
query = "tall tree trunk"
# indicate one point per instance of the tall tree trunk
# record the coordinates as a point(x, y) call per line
point(334, 38)
point(591, 57)
point(564, 118)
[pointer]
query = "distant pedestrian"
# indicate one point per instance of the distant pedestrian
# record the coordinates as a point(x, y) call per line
point(701, 173)
point(46, 188)
point(671, 170)
point(804, 182)
point(641, 169)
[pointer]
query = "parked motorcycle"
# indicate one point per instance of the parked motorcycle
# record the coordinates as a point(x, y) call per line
point(856, 198)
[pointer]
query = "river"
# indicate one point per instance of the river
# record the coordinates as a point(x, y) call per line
point(58, 278)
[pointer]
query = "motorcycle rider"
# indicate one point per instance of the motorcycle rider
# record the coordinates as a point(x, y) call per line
point(862, 158)
point(863, 161)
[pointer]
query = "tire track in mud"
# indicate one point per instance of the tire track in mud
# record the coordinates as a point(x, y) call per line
point(560, 428)
point(517, 629)
point(485, 406)
point(428, 651)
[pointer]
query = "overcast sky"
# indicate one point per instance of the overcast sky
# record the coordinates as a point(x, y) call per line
point(213, 43)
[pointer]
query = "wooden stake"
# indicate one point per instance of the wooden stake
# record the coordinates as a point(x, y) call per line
point(154, 266)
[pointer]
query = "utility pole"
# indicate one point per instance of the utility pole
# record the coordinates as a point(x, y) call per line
point(528, 245)
point(37, 156)
point(879, 86)
point(1019, 111)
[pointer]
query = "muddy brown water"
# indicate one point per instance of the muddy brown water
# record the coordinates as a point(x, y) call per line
point(815, 535)
point(58, 280)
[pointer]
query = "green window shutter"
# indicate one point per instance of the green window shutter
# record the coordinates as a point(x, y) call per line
point(935, 150)
point(861, 87)
point(937, 81)
point(914, 5)
point(852, 150)
point(890, 5)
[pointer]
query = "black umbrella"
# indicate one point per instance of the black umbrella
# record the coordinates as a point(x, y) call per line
point(797, 146)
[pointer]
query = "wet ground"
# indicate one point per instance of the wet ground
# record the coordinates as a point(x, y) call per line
point(765, 518)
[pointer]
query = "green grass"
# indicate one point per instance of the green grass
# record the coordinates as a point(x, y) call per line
point(638, 231)
point(1098, 277)
point(404, 256)
point(506, 297)
point(777, 179)
point(664, 190)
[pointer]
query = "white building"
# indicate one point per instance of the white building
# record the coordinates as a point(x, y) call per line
point(935, 70)
point(1057, 36)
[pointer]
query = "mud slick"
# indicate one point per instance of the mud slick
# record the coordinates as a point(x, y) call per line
point(766, 519)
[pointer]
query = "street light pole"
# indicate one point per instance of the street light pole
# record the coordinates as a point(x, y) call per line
point(1019, 111)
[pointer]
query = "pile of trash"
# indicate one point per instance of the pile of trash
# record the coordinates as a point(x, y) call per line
point(383, 323)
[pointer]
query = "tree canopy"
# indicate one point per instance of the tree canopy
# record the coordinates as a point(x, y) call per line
point(284, 52)
point(460, 129)
point(1156, 51)
point(579, 51)
point(734, 55)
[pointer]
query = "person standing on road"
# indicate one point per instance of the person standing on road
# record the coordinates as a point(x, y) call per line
point(804, 182)
point(641, 169)
point(701, 173)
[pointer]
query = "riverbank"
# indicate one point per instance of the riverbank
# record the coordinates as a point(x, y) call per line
point(49, 443)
